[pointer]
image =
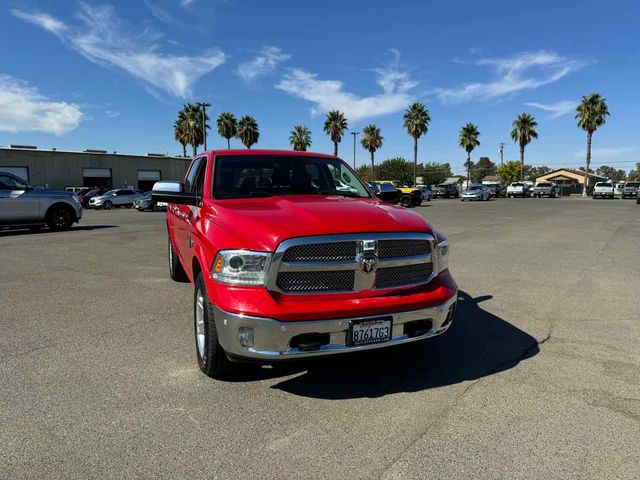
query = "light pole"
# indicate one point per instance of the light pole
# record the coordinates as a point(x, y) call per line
point(354, 148)
point(501, 153)
point(204, 106)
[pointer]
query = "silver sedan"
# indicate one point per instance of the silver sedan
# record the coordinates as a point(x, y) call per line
point(476, 192)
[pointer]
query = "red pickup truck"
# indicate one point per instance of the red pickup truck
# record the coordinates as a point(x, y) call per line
point(289, 263)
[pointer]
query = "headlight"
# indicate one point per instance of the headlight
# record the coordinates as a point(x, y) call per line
point(240, 267)
point(442, 256)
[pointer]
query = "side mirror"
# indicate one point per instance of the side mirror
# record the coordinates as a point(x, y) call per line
point(376, 189)
point(173, 192)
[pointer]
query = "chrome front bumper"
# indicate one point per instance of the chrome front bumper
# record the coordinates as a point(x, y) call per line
point(272, 338)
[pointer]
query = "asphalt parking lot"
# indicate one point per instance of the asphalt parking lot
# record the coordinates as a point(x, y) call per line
point(537, 378)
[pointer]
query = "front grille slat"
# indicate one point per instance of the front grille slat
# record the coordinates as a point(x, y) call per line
point(394, 277)
point(321, 252)
point(320, 281)
point(403, 248)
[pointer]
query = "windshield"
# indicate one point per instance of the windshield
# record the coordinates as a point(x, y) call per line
point(475, 187)
point(543, 185)
point(603, 184)
point(633, 184)
point(517, 184)
point(110, 192)
point(268, 175)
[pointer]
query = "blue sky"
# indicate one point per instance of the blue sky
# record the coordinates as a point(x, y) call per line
point(78, 75)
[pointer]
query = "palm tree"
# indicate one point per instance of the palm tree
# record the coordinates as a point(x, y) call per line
point(591, 114)
point(190, 125)
point(371, 141)
point(179, 134)
point(524, 130)
point(227, 126)
point(416, 122)
point(469, 140)
point(334, 126)
point(300, 138)
point(248, 132)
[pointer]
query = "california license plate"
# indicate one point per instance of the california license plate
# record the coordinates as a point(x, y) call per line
point(366, 332)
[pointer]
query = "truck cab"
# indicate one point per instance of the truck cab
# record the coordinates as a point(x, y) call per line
point(286, 265)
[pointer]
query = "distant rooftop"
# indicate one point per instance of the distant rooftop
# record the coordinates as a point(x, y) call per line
point(91, 151)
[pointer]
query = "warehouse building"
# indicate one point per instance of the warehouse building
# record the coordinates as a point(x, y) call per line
point(91, 168)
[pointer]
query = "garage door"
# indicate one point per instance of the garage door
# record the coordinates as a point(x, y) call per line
point(22, 172)
point(153, 175)
point(96, 177)
point(96, 172)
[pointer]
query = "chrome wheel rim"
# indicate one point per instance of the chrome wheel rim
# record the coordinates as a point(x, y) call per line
point(200, 323)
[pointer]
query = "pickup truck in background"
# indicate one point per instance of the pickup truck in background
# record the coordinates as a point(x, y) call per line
point(544, 189)
point(409, 196)
point(603, 190)
point(630, 190)
point(287, 266)
point(446, 190)
point(517, 189)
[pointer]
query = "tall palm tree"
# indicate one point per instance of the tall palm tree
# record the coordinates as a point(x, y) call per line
point(591, 114)
point(416, 122)
point(334, 126)
point(227, 126)
point(524, 130)
point(248, 132)
point(300, 138)
point(371, 141)
point(469, 140)
point(179, 134)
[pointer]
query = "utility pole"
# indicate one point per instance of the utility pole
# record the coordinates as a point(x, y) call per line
point(501, 153)
point(354, 148)
point(204, 106)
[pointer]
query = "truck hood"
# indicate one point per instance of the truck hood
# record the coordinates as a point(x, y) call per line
point(263, 223)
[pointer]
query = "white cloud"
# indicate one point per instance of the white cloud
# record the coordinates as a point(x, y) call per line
point(23, 109)
point(556, 109)
point(158, 12)
point(264, 63)
point(101, 38)
point(330, 94)
point(186, 3)
point(524, 71)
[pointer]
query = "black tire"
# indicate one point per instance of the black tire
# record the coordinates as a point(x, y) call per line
point(60, 217)
point(176, 272)
point(406, 201)
point(129, 205)
point(107, 205)
point(212, 358)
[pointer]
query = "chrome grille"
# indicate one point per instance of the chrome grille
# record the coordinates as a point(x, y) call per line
point(403, 248)
point(404, 275)
point(321, 252)
point(351, 263)
point(320, 281)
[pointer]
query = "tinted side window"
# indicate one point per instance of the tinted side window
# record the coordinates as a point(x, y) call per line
point(191, 175)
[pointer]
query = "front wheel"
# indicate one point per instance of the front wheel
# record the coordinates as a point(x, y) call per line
point(212, 358)
point(406, 201)
point(107, 205)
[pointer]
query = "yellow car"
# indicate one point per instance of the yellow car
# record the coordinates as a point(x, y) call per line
point(409, 196)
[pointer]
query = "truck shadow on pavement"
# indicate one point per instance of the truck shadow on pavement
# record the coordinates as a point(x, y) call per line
point(476, 345)
point(44, 231)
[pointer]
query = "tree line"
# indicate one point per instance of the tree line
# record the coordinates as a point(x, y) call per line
point(591, 114)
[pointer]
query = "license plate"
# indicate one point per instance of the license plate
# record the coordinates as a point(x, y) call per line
point(366, 332)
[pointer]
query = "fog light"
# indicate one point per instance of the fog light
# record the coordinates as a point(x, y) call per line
point(245, 334)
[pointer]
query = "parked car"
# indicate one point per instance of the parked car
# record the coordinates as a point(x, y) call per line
point(446, 190)
point(618, 189)
point(385, 192)
point(630, 190)
point(603, 190)
point(25, 206)
point(638, 196)
point(284, 271)
point(426, 192)
point(544, 189)
point(476, 192)
point(114, 198)
point(409, 196)
point(496, 189)
point(518, 189)
point(145, 203)
point(85, 197)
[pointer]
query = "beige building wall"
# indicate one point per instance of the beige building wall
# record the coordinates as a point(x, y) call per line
point(59, 169)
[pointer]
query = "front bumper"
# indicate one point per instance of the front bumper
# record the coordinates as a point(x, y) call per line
point(272, 338)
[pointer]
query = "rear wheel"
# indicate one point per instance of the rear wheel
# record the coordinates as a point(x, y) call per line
point(176, 272)
point(60, 217)
point(212, 358)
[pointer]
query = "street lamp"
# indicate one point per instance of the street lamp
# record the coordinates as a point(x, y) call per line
point(204, 106)
point(354, 148)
